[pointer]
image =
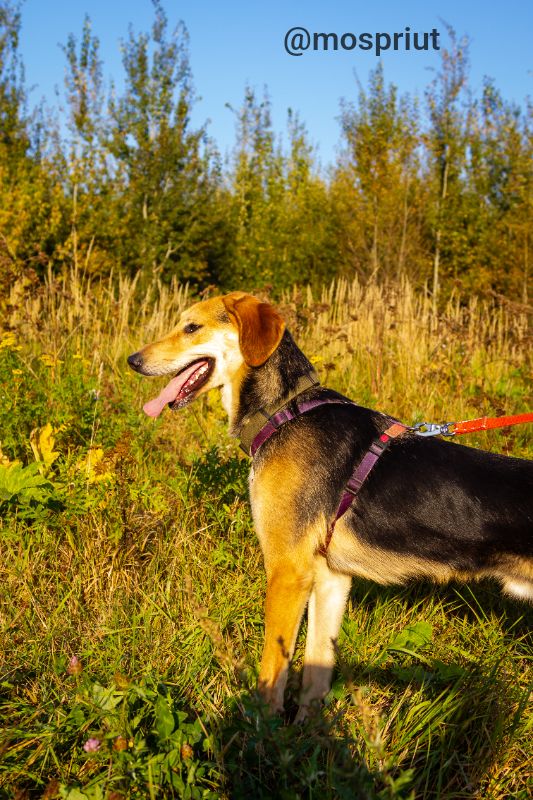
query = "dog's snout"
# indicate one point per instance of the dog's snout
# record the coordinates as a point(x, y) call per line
point(136, 361)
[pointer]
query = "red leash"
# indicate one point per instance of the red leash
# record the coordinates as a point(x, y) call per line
point(470, 425)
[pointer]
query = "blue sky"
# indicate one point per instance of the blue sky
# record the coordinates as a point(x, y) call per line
point(235, 43)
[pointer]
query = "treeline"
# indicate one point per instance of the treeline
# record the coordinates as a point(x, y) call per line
point(438, 188)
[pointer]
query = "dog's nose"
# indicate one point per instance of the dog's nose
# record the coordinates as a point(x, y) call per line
point(136, 361)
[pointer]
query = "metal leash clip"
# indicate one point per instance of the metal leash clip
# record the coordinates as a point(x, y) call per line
point(434, 429)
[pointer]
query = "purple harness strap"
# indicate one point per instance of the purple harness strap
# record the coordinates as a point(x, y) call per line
point(360, 473)
point(276, 420)
point(359, 476)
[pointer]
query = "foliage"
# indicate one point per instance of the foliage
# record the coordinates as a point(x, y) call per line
point(128, 737)
point(380, 177)
point(439, 191)
point(23, 486)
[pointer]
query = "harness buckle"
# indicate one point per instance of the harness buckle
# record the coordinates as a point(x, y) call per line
point(378, 446)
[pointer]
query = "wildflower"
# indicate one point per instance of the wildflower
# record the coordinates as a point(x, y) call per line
point(50, 361)
point(7, 340)
point(74, 666)
point(120, 744)
point(92, 745)
point(186, 751)
point(16, 372)
point(122, 681)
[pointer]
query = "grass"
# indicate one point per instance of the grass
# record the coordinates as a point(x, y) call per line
point(131, 583)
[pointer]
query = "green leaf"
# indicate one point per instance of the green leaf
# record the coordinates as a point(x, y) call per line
point(24, 484)
point(448, 672)
point(72, 793)
point(411, 674)
point(106, 699)
point(164, 719)
point(413, 637)
point(338, 690)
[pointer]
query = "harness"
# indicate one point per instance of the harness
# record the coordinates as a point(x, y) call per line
point(261, 426)
point(256, 432)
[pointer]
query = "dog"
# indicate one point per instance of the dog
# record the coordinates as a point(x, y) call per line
point(427, 509)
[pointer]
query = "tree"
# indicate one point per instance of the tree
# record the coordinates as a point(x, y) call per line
point(376, 184)
point(163, 168)
point(446, 151)
point(28, 225)
point(281, 219)
point(501, 181)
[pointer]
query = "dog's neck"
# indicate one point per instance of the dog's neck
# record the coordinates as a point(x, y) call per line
point(265, 388)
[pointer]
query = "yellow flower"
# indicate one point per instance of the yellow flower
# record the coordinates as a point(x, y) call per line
point(50, 361)
point(7, 340)
point(16, 372)
point(92, 465)
point(4, 460)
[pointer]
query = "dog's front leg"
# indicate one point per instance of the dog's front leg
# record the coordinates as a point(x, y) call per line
point(288, 588)
point(324, 616)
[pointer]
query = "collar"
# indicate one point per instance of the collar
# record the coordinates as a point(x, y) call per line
point(266, 417)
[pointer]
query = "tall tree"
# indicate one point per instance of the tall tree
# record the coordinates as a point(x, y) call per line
point(375, 185)
point(446, 151)
point(282, 228)
point(85, 165)
point(28, 225)
point(257, 188)
point(163, 166)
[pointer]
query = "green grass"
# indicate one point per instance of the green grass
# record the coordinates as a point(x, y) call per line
point(128, 544)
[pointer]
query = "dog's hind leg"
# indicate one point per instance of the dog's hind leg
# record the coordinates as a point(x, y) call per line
point(288, 588)
point(324, 616)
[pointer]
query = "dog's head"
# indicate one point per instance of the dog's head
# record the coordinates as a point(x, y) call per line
point(213, 340)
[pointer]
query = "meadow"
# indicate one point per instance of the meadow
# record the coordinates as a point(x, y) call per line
point(131, 582)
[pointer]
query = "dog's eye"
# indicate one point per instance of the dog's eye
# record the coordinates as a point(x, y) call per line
point(191, 327)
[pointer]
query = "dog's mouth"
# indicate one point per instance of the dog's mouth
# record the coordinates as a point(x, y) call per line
point(183, 388)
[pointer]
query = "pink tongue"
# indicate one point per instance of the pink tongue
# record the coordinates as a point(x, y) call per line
point(154, 407)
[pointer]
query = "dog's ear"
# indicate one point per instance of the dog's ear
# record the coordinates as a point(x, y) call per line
point(259, 324)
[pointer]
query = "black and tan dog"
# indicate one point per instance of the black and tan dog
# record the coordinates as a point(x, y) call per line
point(427, 509)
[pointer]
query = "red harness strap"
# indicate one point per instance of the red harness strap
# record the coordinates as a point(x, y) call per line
point(359, 476)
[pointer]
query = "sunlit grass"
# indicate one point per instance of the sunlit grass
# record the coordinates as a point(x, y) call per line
point(139, 558)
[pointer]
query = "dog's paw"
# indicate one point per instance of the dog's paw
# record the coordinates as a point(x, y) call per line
point(302, 716)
